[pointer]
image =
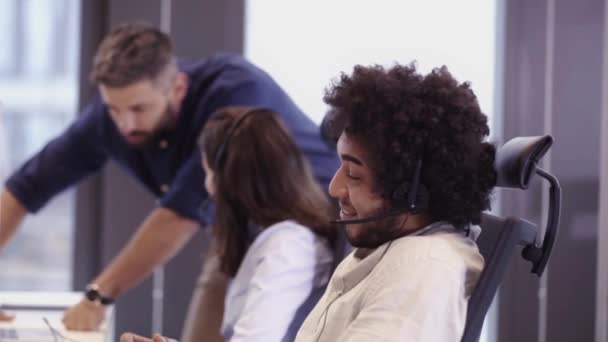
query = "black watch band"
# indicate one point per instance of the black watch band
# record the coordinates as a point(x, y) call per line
point(92, 293)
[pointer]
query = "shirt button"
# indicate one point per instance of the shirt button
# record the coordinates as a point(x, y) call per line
point(164, 188)
point(163, 144)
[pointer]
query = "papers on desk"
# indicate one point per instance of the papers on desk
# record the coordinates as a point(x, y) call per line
point(33, 308)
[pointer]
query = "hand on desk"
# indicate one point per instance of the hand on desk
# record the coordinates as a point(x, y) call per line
point(128, 337)
point(4, 317)
point(84, 316)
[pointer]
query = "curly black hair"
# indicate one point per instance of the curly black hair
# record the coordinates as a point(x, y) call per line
point(400, 116)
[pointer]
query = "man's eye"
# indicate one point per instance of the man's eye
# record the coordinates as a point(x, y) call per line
point(353, 177)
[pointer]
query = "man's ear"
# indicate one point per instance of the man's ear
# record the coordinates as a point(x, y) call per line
point(180, 86)
point(212, 184)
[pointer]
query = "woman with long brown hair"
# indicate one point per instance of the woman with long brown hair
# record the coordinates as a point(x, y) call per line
point(271, 224)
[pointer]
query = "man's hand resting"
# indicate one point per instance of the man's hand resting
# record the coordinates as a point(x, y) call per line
point(84, 316)
point(4, 317)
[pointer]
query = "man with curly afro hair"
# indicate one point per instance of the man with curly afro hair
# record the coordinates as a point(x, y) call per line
point(415, 176)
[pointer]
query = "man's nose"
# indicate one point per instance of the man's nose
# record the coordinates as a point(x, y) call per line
point(336, 186)
point(128, 123)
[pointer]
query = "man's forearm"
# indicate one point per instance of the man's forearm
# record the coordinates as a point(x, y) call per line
point(158, 239)
point(12, 213)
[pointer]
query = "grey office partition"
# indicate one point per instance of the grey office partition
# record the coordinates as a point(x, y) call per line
point(554, 55)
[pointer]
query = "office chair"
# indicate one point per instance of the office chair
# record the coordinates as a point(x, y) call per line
point(516, 164)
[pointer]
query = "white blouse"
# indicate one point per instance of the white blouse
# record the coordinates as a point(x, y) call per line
point(282, 276)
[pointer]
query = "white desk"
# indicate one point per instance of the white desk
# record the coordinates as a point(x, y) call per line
point(32, 307)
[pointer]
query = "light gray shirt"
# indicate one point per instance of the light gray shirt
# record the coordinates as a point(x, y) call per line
point(415, 288)
point(282, 276)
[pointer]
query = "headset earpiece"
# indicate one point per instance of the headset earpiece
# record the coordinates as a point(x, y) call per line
point(414, 193)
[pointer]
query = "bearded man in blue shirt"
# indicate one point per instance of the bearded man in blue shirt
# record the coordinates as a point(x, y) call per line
point(147, 116)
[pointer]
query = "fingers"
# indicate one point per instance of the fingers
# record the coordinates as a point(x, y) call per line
point(77, 321)
point(5, 317)
point(129, 337)
point(159, 338)
point(83, 316)
point(126, 337)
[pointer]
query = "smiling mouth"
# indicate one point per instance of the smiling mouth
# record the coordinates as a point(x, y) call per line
point(346, 214)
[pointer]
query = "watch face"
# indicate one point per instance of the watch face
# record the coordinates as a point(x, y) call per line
point(91, 295)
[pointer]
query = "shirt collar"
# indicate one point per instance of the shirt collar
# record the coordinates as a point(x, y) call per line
point(358, 269)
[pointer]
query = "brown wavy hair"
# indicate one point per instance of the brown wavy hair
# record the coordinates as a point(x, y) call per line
point(133, 52)
point(263, 179)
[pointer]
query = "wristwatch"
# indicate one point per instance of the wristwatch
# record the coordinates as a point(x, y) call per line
point(94, 295)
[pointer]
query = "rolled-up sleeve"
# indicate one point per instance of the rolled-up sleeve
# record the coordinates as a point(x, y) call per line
point(65, 160)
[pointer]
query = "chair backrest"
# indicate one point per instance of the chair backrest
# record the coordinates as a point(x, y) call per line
point(516, 164)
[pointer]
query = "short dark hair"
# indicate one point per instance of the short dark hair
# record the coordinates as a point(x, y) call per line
point(130, 53)
point(399, 116)
point(263, 179)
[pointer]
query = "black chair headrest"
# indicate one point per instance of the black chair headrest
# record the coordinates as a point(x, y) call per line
point(516, 160)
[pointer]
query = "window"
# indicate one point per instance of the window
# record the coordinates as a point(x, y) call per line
point(38, 99)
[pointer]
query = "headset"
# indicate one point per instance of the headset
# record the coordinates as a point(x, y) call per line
point(411, 197)
point(221, 151)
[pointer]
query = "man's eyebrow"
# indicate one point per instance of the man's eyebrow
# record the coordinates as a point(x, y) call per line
point(350, 158)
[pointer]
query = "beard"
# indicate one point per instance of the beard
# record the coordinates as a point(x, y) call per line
point(373, 234)
point(140, 139)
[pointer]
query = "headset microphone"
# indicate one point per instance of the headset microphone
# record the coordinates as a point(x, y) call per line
point(414, 193)
point(371, 218)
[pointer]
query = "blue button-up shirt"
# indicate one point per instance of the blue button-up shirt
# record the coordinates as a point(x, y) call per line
point(170, 166)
